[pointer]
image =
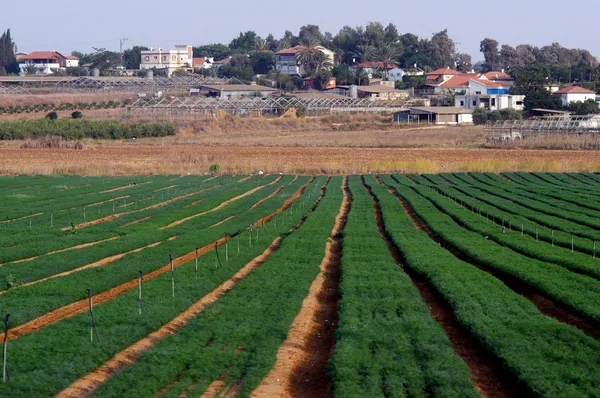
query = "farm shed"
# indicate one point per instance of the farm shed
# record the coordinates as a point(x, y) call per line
point(435, 115)
point(236, 91)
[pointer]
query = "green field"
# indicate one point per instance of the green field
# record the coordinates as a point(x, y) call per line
point(450, 285)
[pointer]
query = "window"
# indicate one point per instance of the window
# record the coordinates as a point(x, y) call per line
point(519, 102)
point(462, 103)
point(156, 57)
point(477, 92)
point(164, 57)
point(147, 58)
point(493, 101)
point(474, 102)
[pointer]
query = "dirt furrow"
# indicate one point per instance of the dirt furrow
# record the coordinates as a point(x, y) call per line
point(300, 369)
point(82, 306)
point(487, 373)
point(125, 187)
point(86, 385)
point(82, 246)
point(118, 215)
point(219, 207)
point(135, 222)
point(24, 217)
point(100, 263)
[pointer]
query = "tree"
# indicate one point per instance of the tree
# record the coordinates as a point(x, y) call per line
point(83, 58)
point(218, 51)
point(463, 62)
point(132, 57)
point(262, 62)
point(31, 69)
point(589, 107)
point(240, 67)
point(310, 32)
point(8, 62)
point(387, 56)
point(244, 43)
point(363, 53)
point(489, 48)
point(441, 50)
point(104, 60)
point(542, 99)
point(77, 71)
point(391, 34)
point(322, 62)
point(343, 74)
point(480, 116)
point(307, 55)
point(321, 78)
point(375, 34)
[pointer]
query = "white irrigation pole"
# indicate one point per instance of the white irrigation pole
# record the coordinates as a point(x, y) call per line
point(140, 292)
point(226, 248)
point(196, 263)
point(172, 275)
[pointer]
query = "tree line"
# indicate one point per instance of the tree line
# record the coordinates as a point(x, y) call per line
point(8, 61)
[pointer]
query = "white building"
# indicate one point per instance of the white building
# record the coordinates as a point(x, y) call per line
point(397, 74)
point(286, 62)
point(46, 62)
point(72, 61)
point(203, 62)
point(574, 94)
point(181, 57)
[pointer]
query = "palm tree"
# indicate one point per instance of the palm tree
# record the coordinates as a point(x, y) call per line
point(261, 45)
point(322, 62)
point(283, 44)
point(364, 53)
point(308, 53)
point(386, 56)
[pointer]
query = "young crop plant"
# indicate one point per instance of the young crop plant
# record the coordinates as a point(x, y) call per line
point(507, 324)
point(416, 359)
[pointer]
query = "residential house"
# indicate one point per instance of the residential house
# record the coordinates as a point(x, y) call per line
point(441, 75)
point(500, 77)
point(221, 62)
point(371, 67)
point(482, 93)
point(397, 74)
point(287, 63)
point(203, 62)
point(181, 57)
point(46, 62)
point(574, 94)
point(72, 61)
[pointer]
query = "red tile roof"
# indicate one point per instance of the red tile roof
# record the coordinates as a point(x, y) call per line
point(200, 61)
point(289, 51)
point(72, 57)
point(497, 76)
point(43, 55)
point(443, 71)
point(464, 79)
point(574, 90)
point(223, 61)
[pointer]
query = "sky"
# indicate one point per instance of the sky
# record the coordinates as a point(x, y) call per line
point(67, 25)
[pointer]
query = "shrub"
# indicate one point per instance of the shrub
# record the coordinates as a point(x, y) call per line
point(480, 116)
point(77, 115)
point(52, 116)
point(214, 168)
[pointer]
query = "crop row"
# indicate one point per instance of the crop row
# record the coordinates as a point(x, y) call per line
point(14, 110)
point(377, 297)
point(508, 325)
point(578, 292)
point(29, 302)
point(236, 339)
point(45, 362)
point(79, 129)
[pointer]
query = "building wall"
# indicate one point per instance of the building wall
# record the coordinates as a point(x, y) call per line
point(490, 102)
point(173, 59)
point(568, 98)
point(71, 63)
point(44, 68)
point(396, 74)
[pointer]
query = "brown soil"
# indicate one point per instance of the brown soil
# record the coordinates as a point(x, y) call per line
point(118, 215)
point(125, 187)
point(99, 263)
point(85, 386)
point(135, 222)
point(487, 373)
point(24, 217)
point(81, 306)
point(106, 201)
point(112, 159)
point(222, 205)
point(82, 246)
point(166, 188)
point(300, 369)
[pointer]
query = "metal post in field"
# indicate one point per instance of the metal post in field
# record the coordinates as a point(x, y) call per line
point(140, 291)
point(552, 238)
point(238, 241)
point(226, 248)
point(4, 350)
point(172, 275)
point(196, 263)
point(250, 237)
point(93, 322)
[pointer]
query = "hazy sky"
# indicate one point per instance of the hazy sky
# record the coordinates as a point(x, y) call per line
point(68, 25)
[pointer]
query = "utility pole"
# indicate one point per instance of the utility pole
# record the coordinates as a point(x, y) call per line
point(121, 48)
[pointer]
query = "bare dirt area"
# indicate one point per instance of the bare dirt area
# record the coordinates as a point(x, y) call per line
point(196, 159)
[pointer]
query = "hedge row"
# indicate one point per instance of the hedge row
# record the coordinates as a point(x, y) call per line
point(78, 129)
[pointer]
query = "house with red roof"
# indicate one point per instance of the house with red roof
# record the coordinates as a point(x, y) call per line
point(203, 62)
point(46, 62)
point(479, 92)
point(574, 94)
